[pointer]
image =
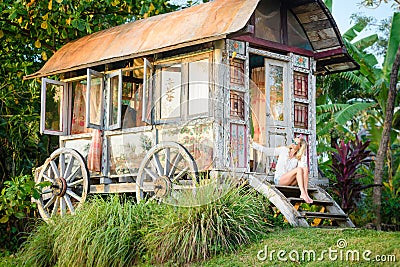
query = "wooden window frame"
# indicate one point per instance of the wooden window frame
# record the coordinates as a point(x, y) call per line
point(63, 115)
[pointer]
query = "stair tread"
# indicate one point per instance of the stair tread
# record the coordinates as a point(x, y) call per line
point(323, 215)
point(293, 188)
point(316, 201)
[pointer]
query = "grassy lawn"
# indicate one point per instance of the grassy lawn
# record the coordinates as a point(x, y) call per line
point(299, 239)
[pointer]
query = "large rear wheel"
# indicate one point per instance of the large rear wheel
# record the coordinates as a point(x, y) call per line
point(167, 169)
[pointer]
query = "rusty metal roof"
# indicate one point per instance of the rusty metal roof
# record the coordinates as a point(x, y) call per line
point(198, 24)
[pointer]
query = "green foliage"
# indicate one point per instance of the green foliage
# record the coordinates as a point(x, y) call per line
point(30, 32)
point(16, 207)
point(117, 232)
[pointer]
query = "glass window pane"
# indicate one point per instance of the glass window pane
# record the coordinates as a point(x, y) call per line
point(171, 91)
point(268, 20)
point(78, 125)
point(275, 82)
point(296, 35)
point(198, 87)
point(96, 91)
point(114, 85)
point(54, 106)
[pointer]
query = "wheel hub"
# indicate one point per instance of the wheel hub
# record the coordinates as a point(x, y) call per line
point(59, 187)
point(162, 186)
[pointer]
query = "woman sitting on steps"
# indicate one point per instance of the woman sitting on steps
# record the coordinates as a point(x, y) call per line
point(291, 168)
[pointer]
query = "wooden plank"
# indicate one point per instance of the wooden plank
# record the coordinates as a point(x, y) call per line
point(322, 215)
point(292, 188)
point(258, 42)
point(312, 16)
point(321, 25)
point(316, 202)
point(119, 188)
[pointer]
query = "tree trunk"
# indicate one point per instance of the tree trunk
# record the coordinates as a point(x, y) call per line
point(383, 146)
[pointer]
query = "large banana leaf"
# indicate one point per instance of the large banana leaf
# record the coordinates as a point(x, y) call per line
point(351, 111)
point(352, 33)
point(394, 41)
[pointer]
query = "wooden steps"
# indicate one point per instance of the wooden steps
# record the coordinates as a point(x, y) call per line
point(323, 215)
point(316, 202)
point(287, 200)
point(287, 188)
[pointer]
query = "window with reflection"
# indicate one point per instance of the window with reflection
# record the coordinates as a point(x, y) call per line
point(198, 87)
point(171, 86)
point(276, 87)
point(132, 98)
point(54, 105)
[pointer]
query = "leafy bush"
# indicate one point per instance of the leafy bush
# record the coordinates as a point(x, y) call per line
point(15, 208)
point(345, 165)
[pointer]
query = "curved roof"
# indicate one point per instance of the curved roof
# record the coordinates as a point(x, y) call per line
point(198, 24)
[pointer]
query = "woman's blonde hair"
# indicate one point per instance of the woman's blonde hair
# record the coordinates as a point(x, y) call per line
point(302, 149)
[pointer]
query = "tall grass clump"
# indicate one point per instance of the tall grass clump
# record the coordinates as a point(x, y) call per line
point(105, 232)
point(187, 234)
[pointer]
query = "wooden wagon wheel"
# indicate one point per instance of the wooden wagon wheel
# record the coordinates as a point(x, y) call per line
point(66, 170)
point(166, 169)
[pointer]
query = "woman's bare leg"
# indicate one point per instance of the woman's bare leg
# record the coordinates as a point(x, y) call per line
point(296, 175)
point(305, 176)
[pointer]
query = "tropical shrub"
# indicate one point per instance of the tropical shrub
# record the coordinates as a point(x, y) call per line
point(346, 165)
point(15, 208)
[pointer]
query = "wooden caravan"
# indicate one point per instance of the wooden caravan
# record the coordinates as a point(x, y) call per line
point(150, 105)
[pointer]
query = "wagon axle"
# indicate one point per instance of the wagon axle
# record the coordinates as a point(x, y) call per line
point(59, 187)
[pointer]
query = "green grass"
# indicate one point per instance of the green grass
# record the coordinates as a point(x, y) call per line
point(299, 239)
point(379, 243)
point(115, 231)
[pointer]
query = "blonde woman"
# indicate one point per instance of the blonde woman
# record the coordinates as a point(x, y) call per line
point(291, 168)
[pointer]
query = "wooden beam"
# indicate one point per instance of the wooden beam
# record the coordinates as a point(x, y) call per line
point(274, 46)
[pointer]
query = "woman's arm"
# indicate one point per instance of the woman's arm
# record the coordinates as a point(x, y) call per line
point(269, 151)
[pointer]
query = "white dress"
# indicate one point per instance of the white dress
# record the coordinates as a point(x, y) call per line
point(284, 164)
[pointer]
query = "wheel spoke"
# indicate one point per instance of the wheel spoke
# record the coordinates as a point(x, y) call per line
point(75, 183)
point(62, 164)
point(55, 208)
point(153, 175)
point(63, 206)
point(72, 194)
point(175, 163)
point(48, 178)
point(157, 164)
point(69, 204)
point(167, 152)
point(54, 168)
point(51, 201)
point(46, 191)
point(69, 167)
point(180, 174)
point(72, 176)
